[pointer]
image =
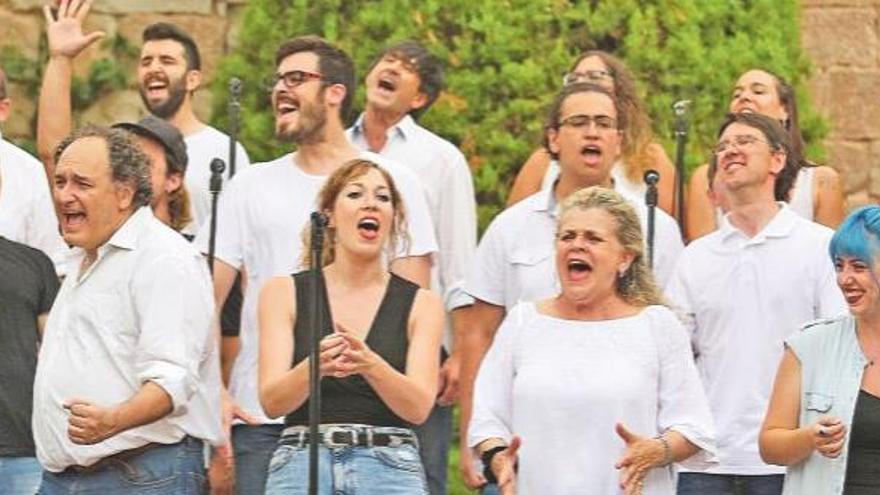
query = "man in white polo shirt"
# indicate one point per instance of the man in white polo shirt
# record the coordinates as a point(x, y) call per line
point(128, 373)
point(266, 206)
point(402, 84)
point(515, 258)
point(744, 288)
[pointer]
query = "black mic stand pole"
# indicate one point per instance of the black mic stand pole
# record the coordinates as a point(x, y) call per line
point(234, 110)
point(319, 222)
point(651, 179)
point(216, 184)
point(681, 134)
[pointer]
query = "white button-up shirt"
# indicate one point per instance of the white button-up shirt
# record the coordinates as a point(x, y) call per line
point(515, 260)
point(739, 297)
point(260, 220)
point(141, 313)
point(446, 177)
point(27, 214)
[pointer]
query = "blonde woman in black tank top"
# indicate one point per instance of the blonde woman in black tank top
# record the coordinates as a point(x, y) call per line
point(379, 355)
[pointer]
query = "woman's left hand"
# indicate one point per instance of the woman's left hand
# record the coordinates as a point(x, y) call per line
point(356, 359)
point(641, 455)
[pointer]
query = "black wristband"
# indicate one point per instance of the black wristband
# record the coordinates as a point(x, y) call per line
point(487, 457)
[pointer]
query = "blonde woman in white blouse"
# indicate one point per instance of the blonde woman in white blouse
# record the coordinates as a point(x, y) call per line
point(593, 391)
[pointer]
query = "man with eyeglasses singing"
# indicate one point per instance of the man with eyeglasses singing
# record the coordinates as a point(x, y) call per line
point(264, 209)
point(515, 258)
point(744, 288)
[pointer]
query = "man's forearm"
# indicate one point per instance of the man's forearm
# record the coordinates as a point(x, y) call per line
point(54, 116)
point(149, 405)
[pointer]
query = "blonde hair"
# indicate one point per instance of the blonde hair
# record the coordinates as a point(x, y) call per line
point(636, 285)
point(337, 181)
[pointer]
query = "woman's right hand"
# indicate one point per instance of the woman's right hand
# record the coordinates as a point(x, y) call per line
point(828, 434)
point(504, 467)
point(331, 348)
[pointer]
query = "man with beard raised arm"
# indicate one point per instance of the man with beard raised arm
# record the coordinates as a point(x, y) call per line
point(265, 208)
point(169, 73)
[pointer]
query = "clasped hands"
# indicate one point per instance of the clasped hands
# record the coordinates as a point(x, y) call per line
point(344, 354)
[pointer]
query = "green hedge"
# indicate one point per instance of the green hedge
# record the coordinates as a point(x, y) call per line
point(505, 59)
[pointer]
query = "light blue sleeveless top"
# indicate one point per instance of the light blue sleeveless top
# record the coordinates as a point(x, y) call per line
point(832, 364)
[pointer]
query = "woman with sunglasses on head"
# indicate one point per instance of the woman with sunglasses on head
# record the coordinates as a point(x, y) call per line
point(379, 363)
point(816, 194)
point(823, 421)
point(639, 152)
point(593, 390)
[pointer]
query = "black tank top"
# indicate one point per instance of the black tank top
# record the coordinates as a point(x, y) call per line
point(352, 399)
point(863, 460)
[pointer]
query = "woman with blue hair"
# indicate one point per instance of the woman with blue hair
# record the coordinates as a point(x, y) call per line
point(823, 421)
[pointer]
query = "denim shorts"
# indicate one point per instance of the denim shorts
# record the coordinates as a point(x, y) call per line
point(354, 470)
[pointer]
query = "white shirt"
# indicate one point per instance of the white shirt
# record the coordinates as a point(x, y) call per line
point(201, 148)
point(446, 177)
point(562, 385)
point(27, 214)
point(516, 257)
point(260, 221)
point(739, 299)
point(141, 313)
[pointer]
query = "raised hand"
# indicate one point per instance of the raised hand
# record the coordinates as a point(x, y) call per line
point(66, 38)
point(828, 435)
point(640, 456)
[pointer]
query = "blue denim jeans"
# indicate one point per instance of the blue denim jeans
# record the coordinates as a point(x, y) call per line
point(253, 447)
point(348, 471)
point(19, 475)
point(176, 469)
point(435, 435)
point(729, 484)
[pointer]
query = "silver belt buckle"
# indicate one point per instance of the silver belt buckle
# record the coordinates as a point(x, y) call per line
point(327, 437)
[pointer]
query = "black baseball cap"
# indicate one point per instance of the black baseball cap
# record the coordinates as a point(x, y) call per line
point(167, 135)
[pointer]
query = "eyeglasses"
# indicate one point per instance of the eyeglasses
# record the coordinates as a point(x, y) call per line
point(597, 75)
point(739, 142)
point(603, 123)
point(292, 78)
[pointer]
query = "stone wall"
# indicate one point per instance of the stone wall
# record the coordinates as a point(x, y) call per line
point(842, 38)
point(212, 23)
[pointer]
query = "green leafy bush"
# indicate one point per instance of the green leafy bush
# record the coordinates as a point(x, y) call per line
point(505, 59)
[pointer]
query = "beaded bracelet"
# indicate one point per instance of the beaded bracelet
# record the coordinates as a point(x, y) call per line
point(667, 450)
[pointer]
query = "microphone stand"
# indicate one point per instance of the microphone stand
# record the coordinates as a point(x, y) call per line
point(681, 134)
point(234, 110)
point(216, 184)
point(319, 222)
point(651, 179)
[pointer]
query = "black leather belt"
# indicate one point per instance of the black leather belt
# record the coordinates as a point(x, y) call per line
point(335, 437)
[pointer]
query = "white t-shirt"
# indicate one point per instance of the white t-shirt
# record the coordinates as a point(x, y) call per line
point(201, 148)
point(515, 259)
point(261, 216)
point(27, 214)
point(739, 298)
point(633, 191)
point(563, 385)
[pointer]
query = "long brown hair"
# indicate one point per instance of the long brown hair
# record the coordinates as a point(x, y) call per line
point(337, 181)
point(636, 151)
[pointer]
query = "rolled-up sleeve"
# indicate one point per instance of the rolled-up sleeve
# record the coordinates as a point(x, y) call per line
point(487, 275)
point(682, 403)
point(174, 310)
point(493, 389)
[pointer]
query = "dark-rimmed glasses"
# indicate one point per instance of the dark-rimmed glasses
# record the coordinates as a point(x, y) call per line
point(292, 78)
point(593, 76)
point(739, 142)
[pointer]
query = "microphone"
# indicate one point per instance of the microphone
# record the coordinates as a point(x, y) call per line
point(235, 87)
point(681, 107)
point(652, 177)
point(319, 222)
point(217, 168)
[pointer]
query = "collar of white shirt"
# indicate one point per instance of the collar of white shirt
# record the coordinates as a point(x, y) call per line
point(405, 128)
point(781, 225)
